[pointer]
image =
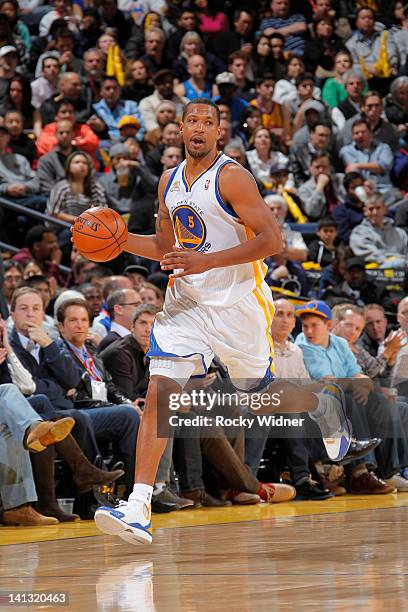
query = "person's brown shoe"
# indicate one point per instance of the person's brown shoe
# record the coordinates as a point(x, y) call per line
point(200, 497)
point(27, 516)
point(44, 433)
point(369, 484)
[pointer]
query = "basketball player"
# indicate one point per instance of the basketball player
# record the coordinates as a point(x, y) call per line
point(213, 229)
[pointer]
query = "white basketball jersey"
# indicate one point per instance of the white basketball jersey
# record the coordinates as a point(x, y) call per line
point(203, 222)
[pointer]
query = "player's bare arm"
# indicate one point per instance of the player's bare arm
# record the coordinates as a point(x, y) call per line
point(238, 189)
point(155, 246)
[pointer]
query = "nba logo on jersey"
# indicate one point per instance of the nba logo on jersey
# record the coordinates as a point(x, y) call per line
point(207, 184)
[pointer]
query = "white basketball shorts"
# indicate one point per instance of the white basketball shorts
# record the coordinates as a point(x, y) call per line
point(186, 336)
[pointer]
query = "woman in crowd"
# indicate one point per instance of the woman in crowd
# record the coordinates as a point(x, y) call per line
point(192, 44)
point(334, 92)
point(19, 98)
point(262, 157)
point(77, 192)
point(138, 83)
point(261, 60)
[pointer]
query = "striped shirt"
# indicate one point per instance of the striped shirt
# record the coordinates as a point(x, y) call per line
point(293, 42)
point(63, 200)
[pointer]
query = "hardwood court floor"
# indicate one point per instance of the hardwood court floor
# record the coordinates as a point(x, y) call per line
point(343, 554)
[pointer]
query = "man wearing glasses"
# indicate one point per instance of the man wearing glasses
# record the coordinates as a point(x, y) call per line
point(120, 305)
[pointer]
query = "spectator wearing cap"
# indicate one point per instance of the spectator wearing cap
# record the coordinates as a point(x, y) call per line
point(130, 189)
point(166, 113)
point(323, 191)
point(300, 154)
point(155, 57)
point(197, 85)
point(46, 85)
point(372, 159)
point(137, 274)
point(121, 306)
point(292, 27)
point(111, 108)
point(84, 139)
point(296, 249)
point(356, 288)
point(228, 95)
point(377, 239)
point(163, 82)
point(128, 127)
point(8, 65)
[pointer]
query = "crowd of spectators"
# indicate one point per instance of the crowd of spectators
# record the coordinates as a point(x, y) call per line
point(313, 98)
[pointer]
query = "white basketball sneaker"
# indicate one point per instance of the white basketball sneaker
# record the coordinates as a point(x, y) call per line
point(333, 423)
point(129, 520)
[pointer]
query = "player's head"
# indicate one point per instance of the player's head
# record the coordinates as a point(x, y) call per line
point(200, 127)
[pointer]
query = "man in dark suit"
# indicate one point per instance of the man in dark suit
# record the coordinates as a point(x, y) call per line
point(125, 358)
point(69, 373)
point(239, 39)
point(121, 306)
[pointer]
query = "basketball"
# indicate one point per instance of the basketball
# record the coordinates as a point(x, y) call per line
point(100, 234)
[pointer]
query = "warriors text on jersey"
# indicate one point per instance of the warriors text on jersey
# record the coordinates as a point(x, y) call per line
point(203, 222)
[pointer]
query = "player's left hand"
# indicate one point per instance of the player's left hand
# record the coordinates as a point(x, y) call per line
point(188, 262)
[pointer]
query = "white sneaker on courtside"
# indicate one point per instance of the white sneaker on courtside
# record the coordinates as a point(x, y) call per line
point(129, 520)
point(335, 427)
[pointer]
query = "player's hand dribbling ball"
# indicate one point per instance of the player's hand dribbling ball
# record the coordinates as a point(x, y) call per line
point(99, 234)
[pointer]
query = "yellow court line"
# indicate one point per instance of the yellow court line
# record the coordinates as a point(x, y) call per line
point(212, 516)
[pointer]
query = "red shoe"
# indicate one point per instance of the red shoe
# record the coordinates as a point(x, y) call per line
point(274, 493)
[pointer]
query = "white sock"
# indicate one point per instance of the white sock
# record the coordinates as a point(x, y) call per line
point(141, 492)
point(159, 487)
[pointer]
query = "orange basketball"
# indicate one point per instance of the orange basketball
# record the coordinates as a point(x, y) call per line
point(99, 234)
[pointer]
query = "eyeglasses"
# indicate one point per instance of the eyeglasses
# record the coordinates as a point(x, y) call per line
point(129, 303)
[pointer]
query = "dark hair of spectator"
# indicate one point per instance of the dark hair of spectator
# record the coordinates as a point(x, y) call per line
point(306, 76)
point(88, 180)
point(97, 272)
point(36, 279)
point(64, 33)
point(326, 222)
point(23, 291)
point(144, 309)
point(321, 123)
point(239, 11)
point(282, 38)
point(109, 78)
point(360, 121)
point(267, 76)
point(370, 94)
point(116, 297)
point(63, 102)
point(61, 312)
point(27, 108)
point(349, 178)
point(10, 264)
point(237, 55)
point(205, 101)
point(36, 234)
point(365, 8)
point(317, 156)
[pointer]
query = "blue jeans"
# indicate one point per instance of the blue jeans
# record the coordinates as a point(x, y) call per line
point(16, 476)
